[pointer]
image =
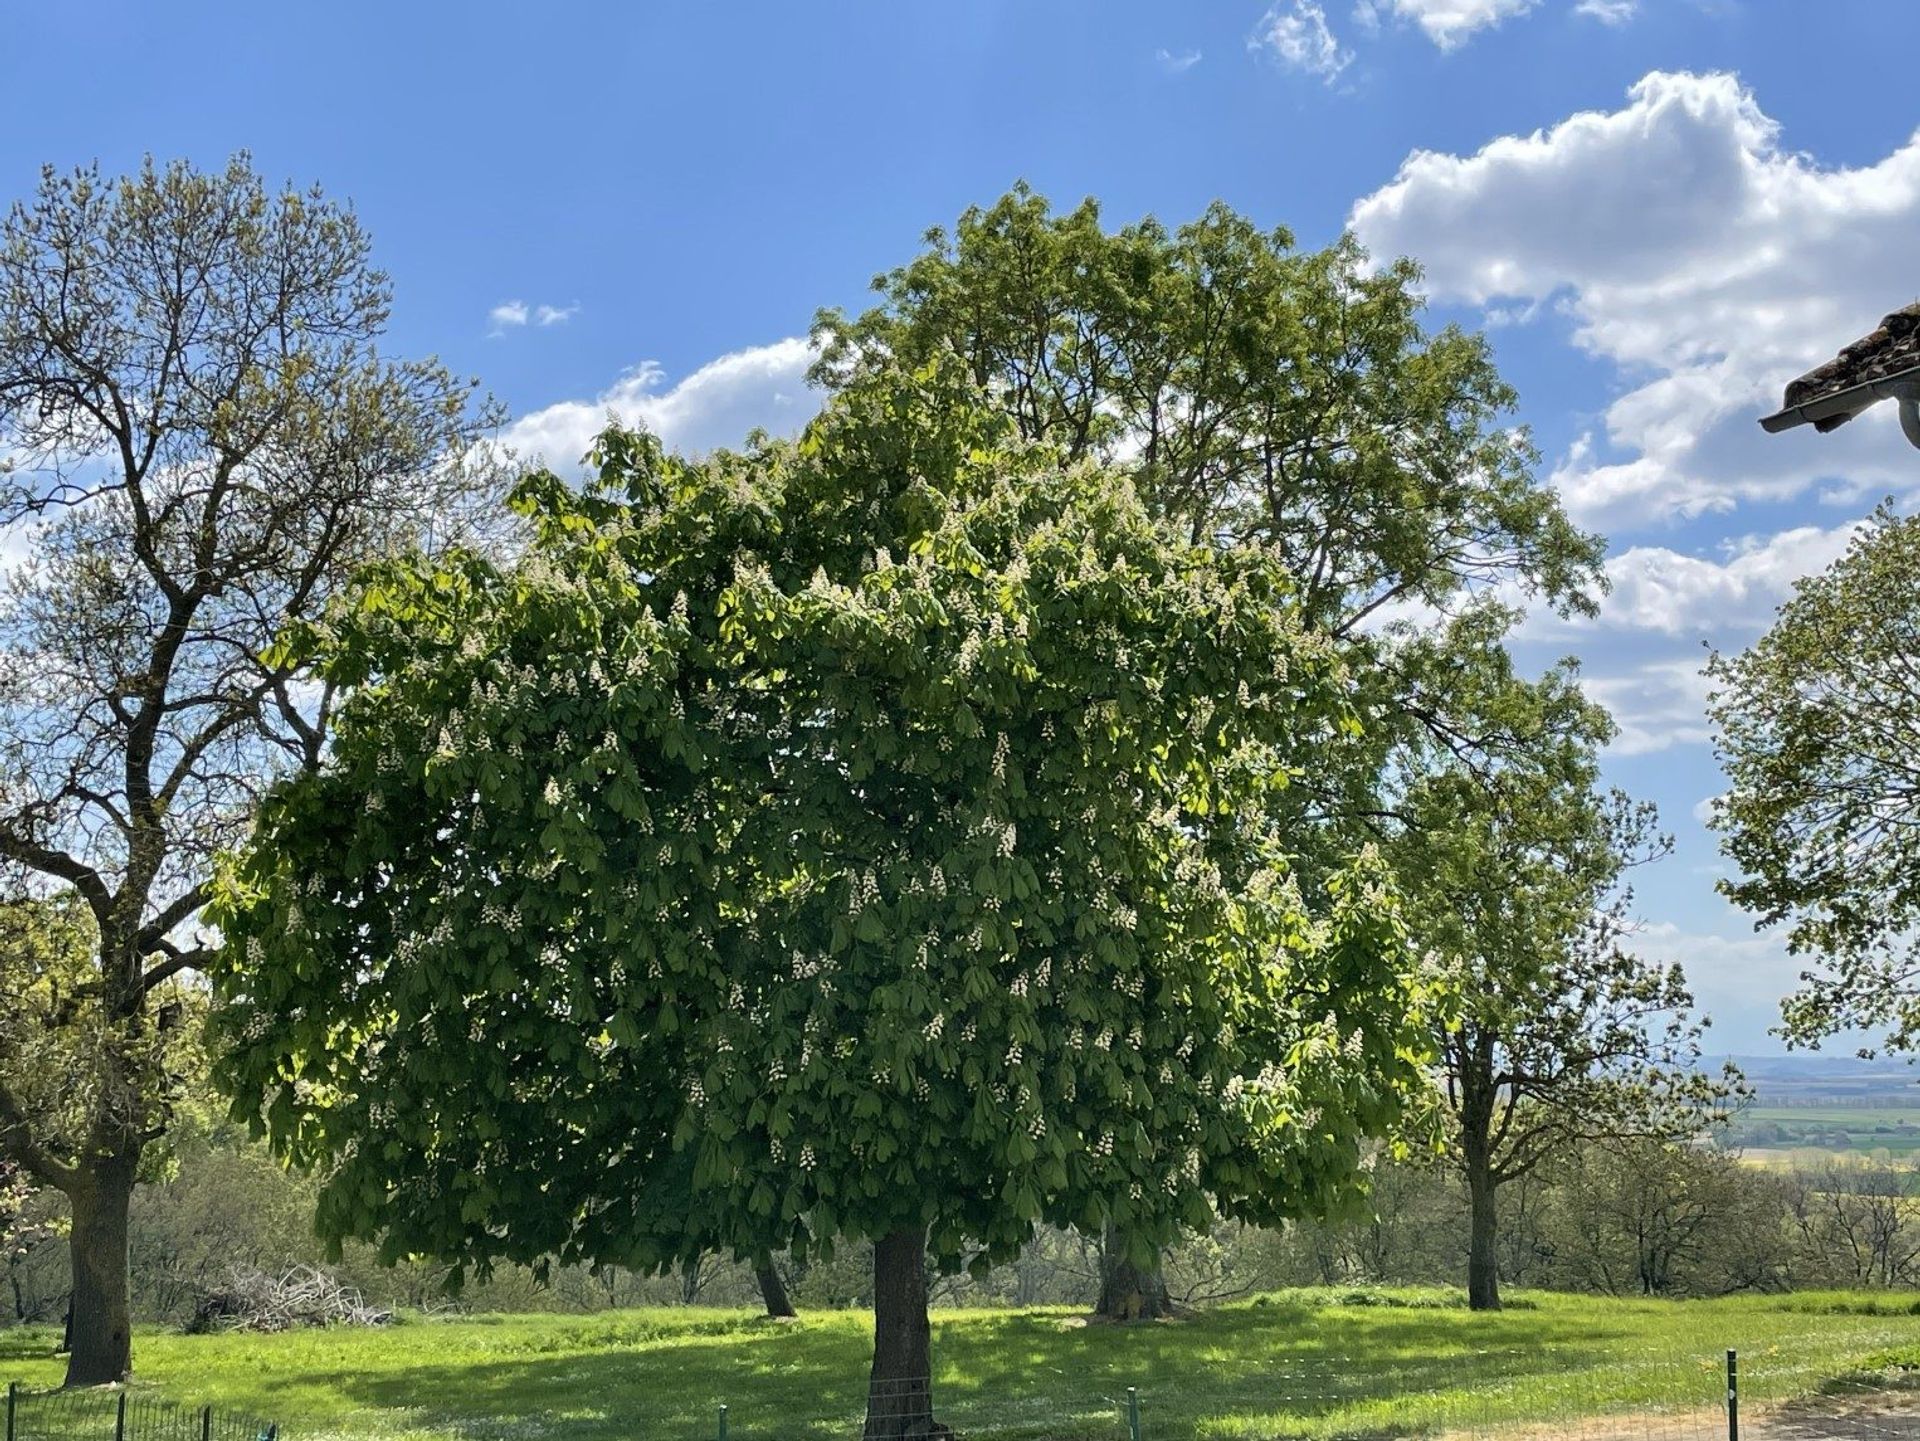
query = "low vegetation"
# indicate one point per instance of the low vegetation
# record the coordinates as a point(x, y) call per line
point(1294, 1363)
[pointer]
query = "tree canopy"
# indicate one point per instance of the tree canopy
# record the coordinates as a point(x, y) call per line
point(1257, 392)
point(1292, 402)
point(1818, 727)
point(873, 835)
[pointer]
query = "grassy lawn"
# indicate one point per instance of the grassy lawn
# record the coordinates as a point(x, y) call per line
point(1308, 1363)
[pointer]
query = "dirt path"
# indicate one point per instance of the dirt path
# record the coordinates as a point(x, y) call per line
point(1878, 1416)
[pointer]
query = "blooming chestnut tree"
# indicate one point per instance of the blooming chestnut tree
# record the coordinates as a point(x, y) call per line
point(870, 836)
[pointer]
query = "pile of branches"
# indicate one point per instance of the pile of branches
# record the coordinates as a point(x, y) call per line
point(249, 1299)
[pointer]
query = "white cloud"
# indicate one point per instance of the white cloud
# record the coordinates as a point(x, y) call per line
point(1737, 980)
point(764, 387)
point(1657, 705)
point(1176, 63)
point(1660, 591)
point(1296, 33)
point(513, 314)
point(1706, 261)
point(1608, 12)
point(1447, 23)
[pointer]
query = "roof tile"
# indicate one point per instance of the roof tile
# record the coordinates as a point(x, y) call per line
point(1894, 347)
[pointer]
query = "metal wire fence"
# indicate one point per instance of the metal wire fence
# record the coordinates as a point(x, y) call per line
point(111, 1414)
point(1775, 1393)
point(1487, 1396)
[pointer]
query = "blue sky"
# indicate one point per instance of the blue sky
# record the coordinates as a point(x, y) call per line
point(1662, 209)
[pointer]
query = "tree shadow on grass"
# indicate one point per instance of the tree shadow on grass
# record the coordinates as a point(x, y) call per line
point(1273, 1370)
point(30, 1355)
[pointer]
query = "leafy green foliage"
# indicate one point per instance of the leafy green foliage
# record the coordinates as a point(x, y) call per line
point(842, 837)
point(16, 1196)
point(1292, 401)
point(1818, 725)
point(73, 1070)
point(1258, 393)
point(1563, 1031)
point(1516, 858)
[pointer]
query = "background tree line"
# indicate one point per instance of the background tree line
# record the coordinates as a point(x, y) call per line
point(1083, 781)
point(1641, 1217)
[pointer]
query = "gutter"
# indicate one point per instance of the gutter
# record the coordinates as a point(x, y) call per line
point(1828, 411)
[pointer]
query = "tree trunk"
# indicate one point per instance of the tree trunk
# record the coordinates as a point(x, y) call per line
point(100, 1334)
point(773, 1290)
point(1129, 1292)
point(1483, 1270)
point(900, 1389)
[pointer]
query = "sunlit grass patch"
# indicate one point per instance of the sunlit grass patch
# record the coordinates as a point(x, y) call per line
point(1311, 1364)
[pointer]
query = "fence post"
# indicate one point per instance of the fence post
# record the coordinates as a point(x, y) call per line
point(13, 1400)
point(1733, 1395)
point(120, 1418)
point(1133, 1413)
point(723, 1421)
point(206, 1423)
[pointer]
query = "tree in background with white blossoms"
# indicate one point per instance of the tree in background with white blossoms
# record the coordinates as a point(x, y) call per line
point(880, 835)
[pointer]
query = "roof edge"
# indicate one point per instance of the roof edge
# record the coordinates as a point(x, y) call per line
point(1842, 405)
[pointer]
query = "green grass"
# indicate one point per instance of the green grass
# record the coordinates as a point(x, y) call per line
point(1306, 1363)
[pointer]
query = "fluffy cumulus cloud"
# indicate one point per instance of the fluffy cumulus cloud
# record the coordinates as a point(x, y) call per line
point(1296, 33)
point(764, 388)
point(1728, 595)
point(1687, 244)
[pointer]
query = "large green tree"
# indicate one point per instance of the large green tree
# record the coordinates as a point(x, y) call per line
point(1818, 730)
point(1516, 872)
point(1256, 392)
point(200, 441)
point(1283, 400)
point(871, 836)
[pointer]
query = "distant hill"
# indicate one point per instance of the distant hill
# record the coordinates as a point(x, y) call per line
point(1828, 1080)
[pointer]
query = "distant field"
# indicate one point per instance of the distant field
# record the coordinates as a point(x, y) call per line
point(1772, 1134)
point(1300, 1364)
point(1854, 1116)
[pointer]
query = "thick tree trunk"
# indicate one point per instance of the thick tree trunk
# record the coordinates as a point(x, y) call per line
point(100, 1334)
point(1129, 1292)
point(773, 1290)
point(900, 1389)
point(1483, 1270)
